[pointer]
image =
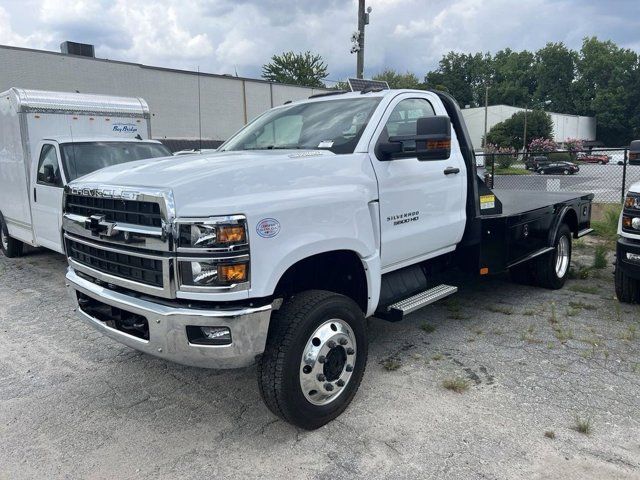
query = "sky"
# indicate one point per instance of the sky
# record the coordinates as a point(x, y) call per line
point(239, 36)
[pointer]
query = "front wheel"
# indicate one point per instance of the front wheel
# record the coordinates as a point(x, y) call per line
point(627, 288)
point(541, 172)
point(566, 172)
point(9, 246)
point(551, 270)
point(314, 359)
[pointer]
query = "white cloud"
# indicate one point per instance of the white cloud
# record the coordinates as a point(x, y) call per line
point(9, 37)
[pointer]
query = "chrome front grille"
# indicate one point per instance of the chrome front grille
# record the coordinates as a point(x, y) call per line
point(133, 212)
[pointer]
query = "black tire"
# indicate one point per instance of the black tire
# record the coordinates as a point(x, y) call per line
point(544, 270)
point(9, 246)
point(522, 274)
point(541, 172)
point(566, 172)
point(627, 288)
point(279, 369)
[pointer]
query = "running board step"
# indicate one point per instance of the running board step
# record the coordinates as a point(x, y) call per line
point(396, 311)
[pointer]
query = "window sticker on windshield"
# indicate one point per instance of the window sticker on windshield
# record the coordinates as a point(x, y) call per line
point(325, 144)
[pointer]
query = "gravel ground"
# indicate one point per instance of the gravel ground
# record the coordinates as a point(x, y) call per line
point(532, 364)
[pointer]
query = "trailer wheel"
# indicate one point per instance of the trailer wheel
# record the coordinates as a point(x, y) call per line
point(314, 359)
point(10, 246)
point(627, 288)
point(551, 270)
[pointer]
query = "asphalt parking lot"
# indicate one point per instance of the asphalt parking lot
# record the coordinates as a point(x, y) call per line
point(534, 367)
point(605, 181)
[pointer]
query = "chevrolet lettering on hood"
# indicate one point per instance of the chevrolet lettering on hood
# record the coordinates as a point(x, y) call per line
point(115, 193)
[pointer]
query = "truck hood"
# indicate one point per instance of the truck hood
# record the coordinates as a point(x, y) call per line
point(224, 183)
point(635, 188)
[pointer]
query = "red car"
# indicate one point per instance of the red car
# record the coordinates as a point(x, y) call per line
point(599, 158)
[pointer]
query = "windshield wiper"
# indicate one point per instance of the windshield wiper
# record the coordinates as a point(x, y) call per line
point(278, 147)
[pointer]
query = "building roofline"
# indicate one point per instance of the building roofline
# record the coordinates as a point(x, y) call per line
point(529, 109)
point(164, 69)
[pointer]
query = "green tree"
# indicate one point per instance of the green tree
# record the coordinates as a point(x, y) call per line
point(554, 72)
point(607, 84)
point(306, 69)
point(513, 79)
point(399, 80)
point(463, 76)
point(510, 132)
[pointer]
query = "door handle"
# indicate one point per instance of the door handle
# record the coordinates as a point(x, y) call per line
point(35, 196)
point(451, 170)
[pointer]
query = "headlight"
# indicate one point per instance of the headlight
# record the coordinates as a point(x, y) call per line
point(630, 222)
point(210, 273)
point(632, 201)
point(220, 232)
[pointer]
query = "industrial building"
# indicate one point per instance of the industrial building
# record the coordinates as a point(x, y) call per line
point(564, 126)
point(226, 102)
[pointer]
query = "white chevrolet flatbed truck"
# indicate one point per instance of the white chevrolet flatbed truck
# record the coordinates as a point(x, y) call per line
point(48, 139)
point(276, 248)
point(627, 271)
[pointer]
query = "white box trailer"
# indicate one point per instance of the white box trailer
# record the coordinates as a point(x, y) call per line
point(48, 139)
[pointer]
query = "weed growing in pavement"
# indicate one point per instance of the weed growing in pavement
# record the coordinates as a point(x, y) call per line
point(456, 384)
point(607, 228)
point(457, 316)
point(528, 335)
point(550, 434)
point(618, 311)
point(571, 312)
point(583, 305)
point(437, 356)
point(391, 364)
point(583, 425)
point(630, 333)
point(584, 289)
point(551, 345)
point(579, 272)
point(500, 309)
point(554, 317)
point(600, 257)
point(427, 327)
point(529, 313)
point(562, 334)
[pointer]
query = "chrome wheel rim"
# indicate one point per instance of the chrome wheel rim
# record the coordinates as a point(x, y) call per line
point(562, 256)
point(328, 361)
point(4, 239)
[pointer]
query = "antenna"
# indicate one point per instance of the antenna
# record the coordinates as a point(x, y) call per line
point(199, 114)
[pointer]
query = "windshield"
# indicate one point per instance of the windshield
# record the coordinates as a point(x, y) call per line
point(334, 125)
point(80, 159)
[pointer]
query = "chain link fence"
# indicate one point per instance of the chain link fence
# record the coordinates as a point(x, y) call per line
point(604, 172)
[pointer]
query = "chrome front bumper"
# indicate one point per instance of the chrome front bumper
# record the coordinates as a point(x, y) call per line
point(167, 327)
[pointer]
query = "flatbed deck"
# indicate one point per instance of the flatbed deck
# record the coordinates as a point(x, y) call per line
point(516, 202)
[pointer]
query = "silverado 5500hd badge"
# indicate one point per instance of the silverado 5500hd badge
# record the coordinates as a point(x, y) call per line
point(404, 218)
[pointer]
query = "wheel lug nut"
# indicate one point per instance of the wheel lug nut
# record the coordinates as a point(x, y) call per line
point(343, 341)
point(321, 377)
point(340, 383)
point(331, 344)
point(328, 387)
point(350, 351)
point(322, 359)
point(349, 368)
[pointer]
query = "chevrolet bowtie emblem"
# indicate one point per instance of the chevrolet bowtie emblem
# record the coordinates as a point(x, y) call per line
point(98, 226)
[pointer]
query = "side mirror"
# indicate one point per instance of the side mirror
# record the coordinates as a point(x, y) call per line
point(432, 139)
point(634, 153)
point(387, 151)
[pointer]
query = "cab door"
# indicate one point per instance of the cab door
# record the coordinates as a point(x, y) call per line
point(48, 182)
point(422, 203)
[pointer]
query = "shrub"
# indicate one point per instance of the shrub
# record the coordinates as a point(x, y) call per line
point(559, 157)
point(542, 145)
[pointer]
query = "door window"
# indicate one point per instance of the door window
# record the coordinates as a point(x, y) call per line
point(404, 120)
point(48, 167)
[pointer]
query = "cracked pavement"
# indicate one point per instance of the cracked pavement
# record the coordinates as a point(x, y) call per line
point(75, 404)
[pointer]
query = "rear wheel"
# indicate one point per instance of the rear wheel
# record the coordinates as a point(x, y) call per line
point(551, 270)
point(627, 288)
point(9, 246)
point(566, 172)
point(541, 172)
point(314, 359)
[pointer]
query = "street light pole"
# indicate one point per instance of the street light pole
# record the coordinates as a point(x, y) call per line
point(486, 109)
point(358, 37)
point(524, 134)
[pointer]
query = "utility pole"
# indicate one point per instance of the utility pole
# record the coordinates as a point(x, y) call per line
point(358, 37)
point(486, 109)
point(524, 134)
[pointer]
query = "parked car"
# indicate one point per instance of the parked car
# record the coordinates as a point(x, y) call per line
point(533, 163)
point(599, 158)
point(566, 168)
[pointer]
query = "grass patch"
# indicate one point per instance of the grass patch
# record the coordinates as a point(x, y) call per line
point(554, 316)
point(600, 257)
point(584, 289)
point(456, 384)
point(529, 313)
point(427, 327)
point(512, 171)
point(550, 434)
point(579, 272)
point(607, 227)
point(391, 364)
point(630, 334)
point(583, 306)
point(562, 334)
point(572, 312)
point(436, 357)
point(583, 425)
point(500, 309)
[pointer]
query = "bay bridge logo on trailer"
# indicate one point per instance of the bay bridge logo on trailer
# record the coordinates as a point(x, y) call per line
point(125, 127)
